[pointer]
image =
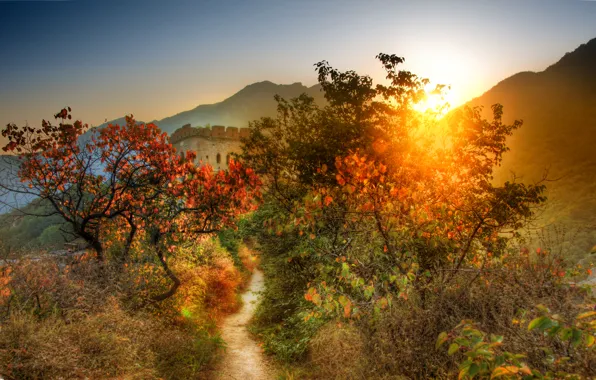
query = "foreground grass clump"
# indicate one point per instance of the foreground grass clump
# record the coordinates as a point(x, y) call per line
point(91, 320)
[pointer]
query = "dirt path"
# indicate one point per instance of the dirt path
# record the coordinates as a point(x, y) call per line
point(243, 359)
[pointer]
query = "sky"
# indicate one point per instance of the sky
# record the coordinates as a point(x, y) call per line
point(155, 58)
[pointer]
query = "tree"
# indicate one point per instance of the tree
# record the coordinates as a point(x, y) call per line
point(383, 196)
point(126, 179)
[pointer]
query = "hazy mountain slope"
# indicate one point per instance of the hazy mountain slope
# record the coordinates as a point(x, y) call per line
point(8, 200)
point(558, 107)
point(252, 102)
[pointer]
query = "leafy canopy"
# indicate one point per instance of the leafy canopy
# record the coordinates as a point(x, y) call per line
point(383, 197)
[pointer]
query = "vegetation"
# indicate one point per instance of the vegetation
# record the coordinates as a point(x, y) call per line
point(393, 246)
point(384, 221)
point(126, 184)
point(144, 300)
point(21, 228)
point(83, 320)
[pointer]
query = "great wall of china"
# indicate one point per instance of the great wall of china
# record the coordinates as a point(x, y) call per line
point(212, 145)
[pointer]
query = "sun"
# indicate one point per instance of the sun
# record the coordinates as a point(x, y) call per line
point(437, 101)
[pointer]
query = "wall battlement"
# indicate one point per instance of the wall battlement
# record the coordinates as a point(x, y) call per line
point(213, 146)
point(216, 131)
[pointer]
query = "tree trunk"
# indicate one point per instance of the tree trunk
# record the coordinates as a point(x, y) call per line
point(98, 250)
point(94, 243)
point(128, 243)
point(175, 280)
point(89, 231)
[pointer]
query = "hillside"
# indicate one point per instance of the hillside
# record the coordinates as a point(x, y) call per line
point(558, 107)
point(8, 200)
point(252, 102)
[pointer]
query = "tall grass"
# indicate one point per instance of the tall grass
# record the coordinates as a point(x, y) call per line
point(90, 320)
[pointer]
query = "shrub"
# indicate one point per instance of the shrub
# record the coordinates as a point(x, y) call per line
point(222, 281)
point(401, 341)
point(91, 320)
point(248, 258)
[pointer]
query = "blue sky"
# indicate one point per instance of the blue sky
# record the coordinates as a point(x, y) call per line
point(156, 58)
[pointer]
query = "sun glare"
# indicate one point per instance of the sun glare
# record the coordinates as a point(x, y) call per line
point(437, 103)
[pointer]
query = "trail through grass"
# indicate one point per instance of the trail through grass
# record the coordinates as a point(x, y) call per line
point(243, 359)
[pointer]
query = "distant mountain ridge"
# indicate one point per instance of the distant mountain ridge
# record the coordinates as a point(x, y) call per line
point(584, 57)
point(252, 102)
point(558, 107)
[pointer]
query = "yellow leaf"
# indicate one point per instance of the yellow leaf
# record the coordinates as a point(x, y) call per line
point(453, 347)
point(525, 370)
point(587, 314)
point(504, 371)
point(441, 339)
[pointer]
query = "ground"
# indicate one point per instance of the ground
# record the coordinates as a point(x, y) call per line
point(244, 359)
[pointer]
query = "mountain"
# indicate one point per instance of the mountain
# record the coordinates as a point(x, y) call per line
point(8, 175)
point(558, 107)
point(252, 102)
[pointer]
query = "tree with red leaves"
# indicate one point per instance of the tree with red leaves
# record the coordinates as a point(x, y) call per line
point(128, 177)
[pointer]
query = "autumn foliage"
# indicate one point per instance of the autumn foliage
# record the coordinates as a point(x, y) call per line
point(389, 220)
point(415, 192)
point(127, 184)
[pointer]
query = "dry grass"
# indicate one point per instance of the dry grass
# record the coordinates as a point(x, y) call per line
point(337, 350)
point(104, 345)
point(400, 342)
point(90, 321)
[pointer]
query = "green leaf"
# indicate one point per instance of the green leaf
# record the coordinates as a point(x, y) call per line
point(484, 352)
point(453, 348)
point(474, 369)
point(576, 337)
point(472, 332)
point(441, 339)
point(590, 340)
point(554, 330)
point(345, 270)
point(462, 341)
point(565, 333)
point(540, 323)
point(343, 300)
